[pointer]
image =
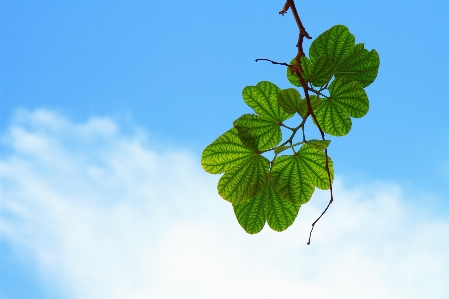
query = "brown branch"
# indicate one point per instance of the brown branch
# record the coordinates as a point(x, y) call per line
point(274, 62)
point(302, 30)
point(297, 69)
point(285, 8)
point(332, 196)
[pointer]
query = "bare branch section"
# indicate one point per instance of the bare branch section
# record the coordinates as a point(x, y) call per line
point(285, 8)
point(332, 197)
point(297, 69)
point(273, 62)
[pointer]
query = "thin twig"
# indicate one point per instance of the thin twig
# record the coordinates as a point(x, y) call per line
point(332, 197)
point(318, 92)
point(285, 8)
point(274, 62)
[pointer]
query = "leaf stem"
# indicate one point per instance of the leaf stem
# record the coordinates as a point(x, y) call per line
point(282, 125)
point(301, 125)
point(318, 92)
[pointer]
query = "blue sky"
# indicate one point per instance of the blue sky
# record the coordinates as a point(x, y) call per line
point(98, 97)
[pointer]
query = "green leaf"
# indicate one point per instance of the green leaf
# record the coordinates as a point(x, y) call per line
point(245, 180)
point(290, 180)
point(263, 99)
point(360, 65)
point(292, 78)
point(335, 42)
point(350, 95)
point(258, 132)
point(251, 214)
point(315, 102)
point(318, 144)
point(267, 205)
point(280, 212)
point(347, 98)
point(318, 72)
point(314, 163)
point(280, 149)
point(283, 148)
point(333, 118)
point(322, 70)
point(349, 59)
point(225, 153)
point(307, 67)
point(289, 99)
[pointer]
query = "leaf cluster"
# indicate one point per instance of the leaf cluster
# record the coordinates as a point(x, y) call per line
point(273, 191)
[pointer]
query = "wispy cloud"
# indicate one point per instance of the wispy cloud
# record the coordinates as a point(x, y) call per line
point(104, 215)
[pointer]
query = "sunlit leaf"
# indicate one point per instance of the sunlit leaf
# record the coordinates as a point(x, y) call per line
point(263, 99)
point(349, 59)
point(333, 119)
point(258, 132)
point(349, 95)
point(280, 212)
point(291, 76)
point(321, 71)
point(290, 180)
point(307, 67)
point(315, 102)
point(251, 214)
point(289, 99)
point(360, 65)
point(314, 163)
point(266, 206)
point(244, 180)
point(347, 98)
point(280, 149)
point(226, 152)
point(318, 144)
point(318, 72)
point(335, 42)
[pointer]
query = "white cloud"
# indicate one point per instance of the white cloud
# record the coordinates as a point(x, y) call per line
point(106, 216)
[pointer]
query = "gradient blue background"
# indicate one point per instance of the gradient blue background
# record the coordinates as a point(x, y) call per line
point(178, 68)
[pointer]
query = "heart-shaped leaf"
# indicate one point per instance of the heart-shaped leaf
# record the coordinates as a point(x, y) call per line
point(314, 163)
point(263, 99)
point(225, 153)
point(290, 180)
point(347, 98)
point(258, 132)
point(245, 180)
point(349, 59)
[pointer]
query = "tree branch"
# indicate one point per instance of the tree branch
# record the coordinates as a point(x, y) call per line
point(273, 62)
point(332, 197)
point(297, 69)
